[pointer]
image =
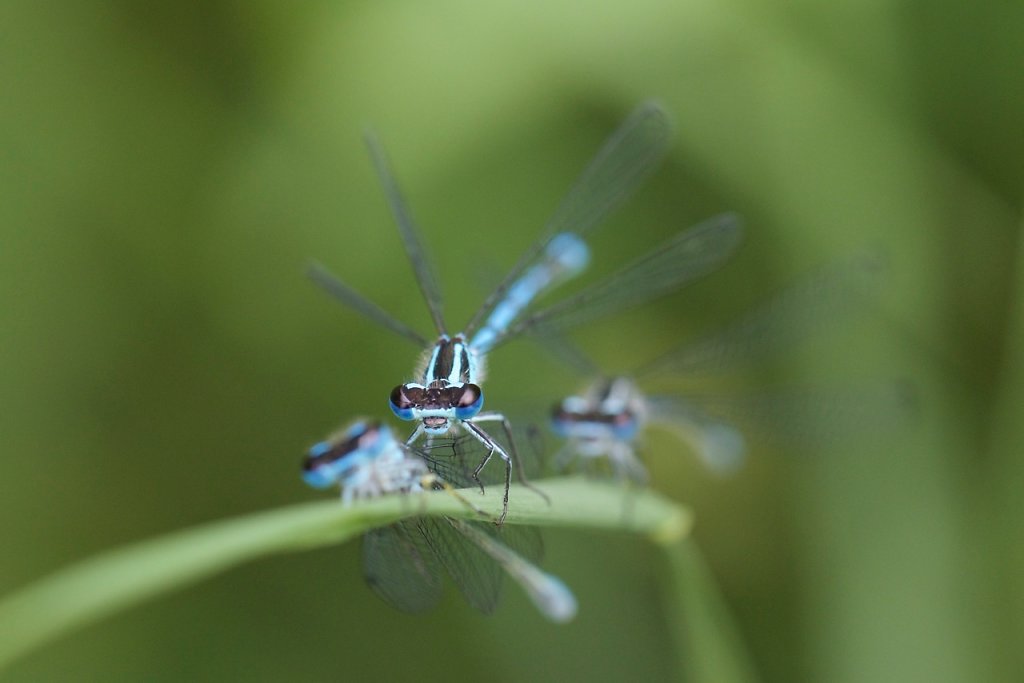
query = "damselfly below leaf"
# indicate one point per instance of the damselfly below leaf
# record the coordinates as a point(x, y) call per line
point(403, 562)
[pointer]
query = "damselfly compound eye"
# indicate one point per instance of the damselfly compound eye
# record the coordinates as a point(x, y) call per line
point(469, 402)
point(401, 403)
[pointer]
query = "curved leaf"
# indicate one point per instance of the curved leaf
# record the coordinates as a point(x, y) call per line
point(93, 588)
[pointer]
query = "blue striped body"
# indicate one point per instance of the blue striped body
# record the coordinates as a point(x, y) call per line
point(449, 386)
point(565, 256)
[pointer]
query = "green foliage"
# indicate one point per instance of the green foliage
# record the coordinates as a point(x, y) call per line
point(169, 168)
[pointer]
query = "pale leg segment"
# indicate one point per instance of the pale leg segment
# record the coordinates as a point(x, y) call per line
point(520, 472)
point(492, 447)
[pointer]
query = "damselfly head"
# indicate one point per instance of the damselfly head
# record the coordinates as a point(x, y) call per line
point(577, 418)
point(330, 460)
point(437, 403)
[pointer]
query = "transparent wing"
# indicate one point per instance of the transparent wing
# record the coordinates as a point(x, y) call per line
point(454, 459)
point(627, 158)
point(567, 354)
point(534, 450)
point(526, 541)
point(820, 300)
point(552, 597)
point(684, 258)
point(474, 572)
point(402, 561)
point(407, 229)
point(401, 567)
point(357, 302)
point(723, 427)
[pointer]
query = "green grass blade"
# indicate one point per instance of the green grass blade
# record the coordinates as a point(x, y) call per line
point(91, 589)
point(707, 640)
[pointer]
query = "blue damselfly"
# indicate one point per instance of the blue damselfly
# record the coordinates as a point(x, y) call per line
point(447, 396)
point(403, 562)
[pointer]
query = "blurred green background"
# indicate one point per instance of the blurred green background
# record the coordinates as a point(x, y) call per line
point(168, 169)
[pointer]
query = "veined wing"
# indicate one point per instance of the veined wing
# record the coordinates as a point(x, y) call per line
point(402, 562)
point(453, 461)
point(357, 302)
point(477, 556)
point(474, 572)
point(401, 567)
point(821, 299)
point(407, 229)
point(627, 158)
point(684, 258)
point(526, 541)
point(552, 597)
